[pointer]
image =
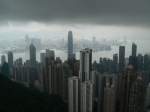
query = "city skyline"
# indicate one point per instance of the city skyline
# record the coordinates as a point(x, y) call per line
point(85, 85)
point(24, 53)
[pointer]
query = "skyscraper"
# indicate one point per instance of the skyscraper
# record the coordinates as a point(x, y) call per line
point(70, 45)
point(50, 54)
point(32, 54)
point(3, 59)
point(73, 92)
point(45, 78)
point(59, 78)
point(109, 96)
point(133, 57)
point(10, 58)
point(146, 62)
point(147, 98)
point(67, 73)
point(55, 78)
point(130, 77)
point(85, 64)
point(140, 62)
point(49, 72)
point(121, 58)
point(100, 87)
point(115, 63)
point(137, 96)
point(87, 96)
point(131, 92)
point(52, 78)
point(42, 58)
point(134, 49)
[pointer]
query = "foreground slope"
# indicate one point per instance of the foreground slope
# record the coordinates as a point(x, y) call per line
point(17, 98)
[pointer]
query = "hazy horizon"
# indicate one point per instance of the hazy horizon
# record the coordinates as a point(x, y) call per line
point(52, 19)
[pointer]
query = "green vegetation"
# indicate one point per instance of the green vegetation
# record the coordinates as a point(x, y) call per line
point(15, 97)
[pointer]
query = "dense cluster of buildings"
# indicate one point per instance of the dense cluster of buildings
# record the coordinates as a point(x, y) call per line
point(111, 85)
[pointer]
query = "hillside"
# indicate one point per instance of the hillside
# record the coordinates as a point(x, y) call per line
point(17, 98)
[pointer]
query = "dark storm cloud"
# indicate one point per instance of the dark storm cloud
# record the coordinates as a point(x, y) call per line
point(86, 11)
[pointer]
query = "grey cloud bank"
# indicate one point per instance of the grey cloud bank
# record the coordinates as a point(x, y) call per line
point(124, 12)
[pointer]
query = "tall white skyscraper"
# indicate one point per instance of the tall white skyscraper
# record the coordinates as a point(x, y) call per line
point(85, 64)
point(87, 96)
point(73, 92)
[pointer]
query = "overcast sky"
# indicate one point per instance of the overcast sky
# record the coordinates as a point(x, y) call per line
point(103, 18)
point(124, 12)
